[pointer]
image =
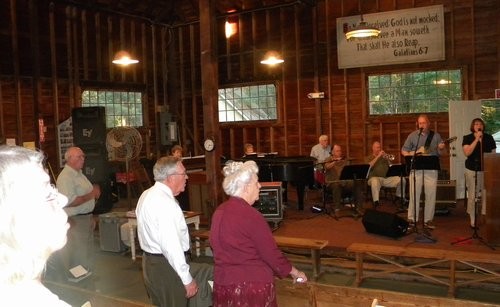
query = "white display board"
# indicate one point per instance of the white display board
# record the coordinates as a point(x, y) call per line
point(65, 140)
point(407, 36)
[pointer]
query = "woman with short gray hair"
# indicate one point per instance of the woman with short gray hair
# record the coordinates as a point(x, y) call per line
point(245, 254)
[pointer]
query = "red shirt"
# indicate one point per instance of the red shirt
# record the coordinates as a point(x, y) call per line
point(243, 246)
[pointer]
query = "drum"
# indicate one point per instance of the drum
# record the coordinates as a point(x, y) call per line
point(319, 176)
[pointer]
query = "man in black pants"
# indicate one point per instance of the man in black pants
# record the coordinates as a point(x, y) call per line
point(169, 276)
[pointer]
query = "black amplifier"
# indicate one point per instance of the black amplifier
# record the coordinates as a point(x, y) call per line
point(270, 202)
point(445, 196)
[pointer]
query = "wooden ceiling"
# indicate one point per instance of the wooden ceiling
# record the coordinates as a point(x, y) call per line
point(175, 12)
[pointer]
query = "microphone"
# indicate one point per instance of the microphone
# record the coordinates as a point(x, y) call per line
point(480, 130)
point(420, 130)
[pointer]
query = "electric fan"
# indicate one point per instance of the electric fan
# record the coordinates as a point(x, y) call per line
point(124, 144)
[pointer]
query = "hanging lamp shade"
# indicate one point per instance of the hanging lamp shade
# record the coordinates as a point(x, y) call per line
point(272, 58)
point(230, 28)
point(124, 58)
point(362, 30)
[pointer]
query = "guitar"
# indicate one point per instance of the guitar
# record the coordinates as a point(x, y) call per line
point(450, 140)
point(421, 150)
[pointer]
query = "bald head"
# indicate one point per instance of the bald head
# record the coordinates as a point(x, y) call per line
point(75, 158)
point(337, 151)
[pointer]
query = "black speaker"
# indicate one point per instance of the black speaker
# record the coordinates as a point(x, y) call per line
point(89, 125)
point(384, 223)
point(105, 203)
point(96, 166)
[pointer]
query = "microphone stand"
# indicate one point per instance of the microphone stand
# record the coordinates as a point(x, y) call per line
point(401, 208)
point(420, 237)
point(477, 200)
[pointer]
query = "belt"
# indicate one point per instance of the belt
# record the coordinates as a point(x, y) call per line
point(187, 254)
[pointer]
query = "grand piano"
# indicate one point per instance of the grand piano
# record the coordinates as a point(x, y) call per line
point(297, 170)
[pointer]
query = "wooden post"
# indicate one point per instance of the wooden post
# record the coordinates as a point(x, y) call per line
point(209, 85)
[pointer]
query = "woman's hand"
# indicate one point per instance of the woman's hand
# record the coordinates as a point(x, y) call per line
point(298, 276)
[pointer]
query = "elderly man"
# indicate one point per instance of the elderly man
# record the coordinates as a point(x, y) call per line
point(322, 150)
point(169, 277)
point(423, 141)
point(81, 194)
point(33, 226)
point(334, 166)
point(379, 165)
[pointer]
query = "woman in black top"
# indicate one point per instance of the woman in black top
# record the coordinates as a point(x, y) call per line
point(474, 145)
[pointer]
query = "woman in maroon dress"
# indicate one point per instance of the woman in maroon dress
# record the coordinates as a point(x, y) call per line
point(246, 256)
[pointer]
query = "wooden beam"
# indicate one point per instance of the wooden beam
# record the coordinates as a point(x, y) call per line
point(55, 83)
point(146, 104)
point(16, 64)
point(209, 86)
point(36, 84)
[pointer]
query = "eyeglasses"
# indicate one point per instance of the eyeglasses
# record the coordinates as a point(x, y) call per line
point(180, 174)
point(55, 198)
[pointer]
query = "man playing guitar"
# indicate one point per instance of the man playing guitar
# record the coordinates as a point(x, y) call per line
point(429, 143)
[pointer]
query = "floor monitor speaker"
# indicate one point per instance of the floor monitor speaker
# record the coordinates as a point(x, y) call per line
point(384, 223)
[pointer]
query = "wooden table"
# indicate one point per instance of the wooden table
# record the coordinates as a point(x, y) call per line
point(192, 217)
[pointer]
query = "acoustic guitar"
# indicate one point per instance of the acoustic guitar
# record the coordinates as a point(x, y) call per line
point(421, 150)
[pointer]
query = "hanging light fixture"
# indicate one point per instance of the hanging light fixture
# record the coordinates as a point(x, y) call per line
point(231, 24)
point(230, 28)
point(124, 58)
point(362, 30)
point(272, 58)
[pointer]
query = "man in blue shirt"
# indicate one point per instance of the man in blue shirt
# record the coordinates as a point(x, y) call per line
point(424, 142)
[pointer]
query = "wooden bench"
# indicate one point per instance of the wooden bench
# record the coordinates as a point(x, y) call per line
point(387, 254)
point(314, 245)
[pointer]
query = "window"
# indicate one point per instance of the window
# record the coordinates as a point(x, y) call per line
point(417, 92)
point(248, 103)
point(123, 108)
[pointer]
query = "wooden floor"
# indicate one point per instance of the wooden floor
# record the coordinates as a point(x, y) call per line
point(117, 280)
point(344, 231)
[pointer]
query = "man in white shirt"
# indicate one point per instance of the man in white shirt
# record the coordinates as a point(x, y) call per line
point(322, 150)
point(164, 238)
point(81, 194)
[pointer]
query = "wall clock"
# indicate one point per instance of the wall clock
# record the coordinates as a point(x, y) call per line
point(209, 144)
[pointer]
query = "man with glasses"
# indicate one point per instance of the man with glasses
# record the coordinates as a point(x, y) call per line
point(33, 226)
point(169, 276)
point(76, 257)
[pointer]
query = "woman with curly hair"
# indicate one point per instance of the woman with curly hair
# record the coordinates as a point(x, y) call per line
point(245, 254)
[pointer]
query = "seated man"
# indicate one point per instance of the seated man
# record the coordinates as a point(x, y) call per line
point(322, 150)
point(334, 166)
point(379, 165)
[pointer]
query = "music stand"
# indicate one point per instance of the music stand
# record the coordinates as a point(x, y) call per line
point(399, 170)
point(320, 177)
point(356, 173)
point(423, 163)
